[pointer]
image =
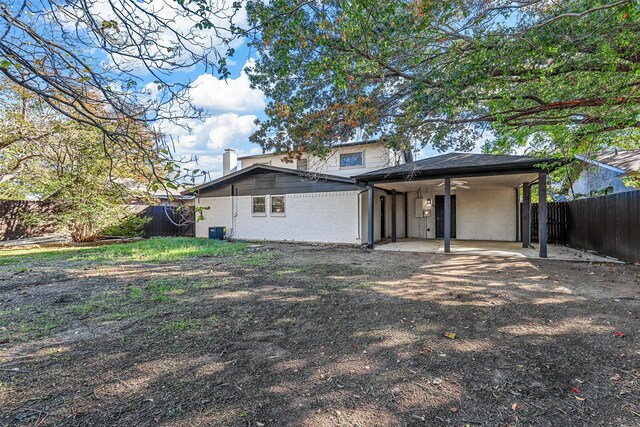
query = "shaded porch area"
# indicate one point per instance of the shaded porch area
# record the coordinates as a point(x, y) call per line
point(490, 248)
point(466, 196)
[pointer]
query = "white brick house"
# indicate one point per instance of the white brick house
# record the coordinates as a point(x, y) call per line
point(321, 202)
point(366, 194)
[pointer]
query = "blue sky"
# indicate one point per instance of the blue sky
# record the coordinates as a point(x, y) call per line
point(231, 107)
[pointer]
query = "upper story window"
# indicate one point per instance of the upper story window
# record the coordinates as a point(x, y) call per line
point(278, 205)
point(352, 160)
point(302, 164)
point(259, 205)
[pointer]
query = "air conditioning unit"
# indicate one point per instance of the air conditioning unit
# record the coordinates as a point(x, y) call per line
point(217, 233)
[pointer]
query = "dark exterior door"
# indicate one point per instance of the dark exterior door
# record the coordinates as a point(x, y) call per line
point(440, 217)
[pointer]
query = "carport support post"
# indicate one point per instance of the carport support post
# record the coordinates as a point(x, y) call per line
point(447, 215)
point(406, 214)
point(542, 213)
point(370, 217)
point(526, 214)
point(393, 215)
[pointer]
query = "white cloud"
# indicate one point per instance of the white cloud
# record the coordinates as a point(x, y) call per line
point(228, 129)
point(232, 95)
point(207, 139)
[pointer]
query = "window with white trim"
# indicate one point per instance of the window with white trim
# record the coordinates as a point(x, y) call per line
point(278, 205)
point(352, 160)
point(259, 205)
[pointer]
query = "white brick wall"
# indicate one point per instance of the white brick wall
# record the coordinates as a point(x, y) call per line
point(481, 214)
point(311, 217)
point(217, 212)
point(486, 214)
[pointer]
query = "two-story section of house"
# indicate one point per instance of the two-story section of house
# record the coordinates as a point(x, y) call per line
point(349, 159)
point(263, 197)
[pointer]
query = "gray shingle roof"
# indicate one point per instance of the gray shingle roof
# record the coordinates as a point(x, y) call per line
point(463, 163)
point(626, 160)
point(258, 168)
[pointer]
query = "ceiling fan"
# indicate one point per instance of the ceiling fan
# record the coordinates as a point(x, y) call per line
point(456, 183)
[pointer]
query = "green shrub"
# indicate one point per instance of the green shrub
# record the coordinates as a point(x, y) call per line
point(132, 226)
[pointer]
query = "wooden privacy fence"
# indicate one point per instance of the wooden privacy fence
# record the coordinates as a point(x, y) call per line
point(557, 219)
point(609, 225)
point(164, 219)
point(14, 219)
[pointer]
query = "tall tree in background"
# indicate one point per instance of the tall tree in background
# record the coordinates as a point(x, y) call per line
point(562, 76)
point(64, 163)
point(108, 65)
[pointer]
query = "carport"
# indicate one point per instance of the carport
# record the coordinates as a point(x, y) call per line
point(487, 188)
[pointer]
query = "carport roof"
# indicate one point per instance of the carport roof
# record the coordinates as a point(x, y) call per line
point(462, 165)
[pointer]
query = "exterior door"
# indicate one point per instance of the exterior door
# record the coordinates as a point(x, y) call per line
point(440, 217)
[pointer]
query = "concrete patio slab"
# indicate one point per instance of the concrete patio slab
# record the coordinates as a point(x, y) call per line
point(491, 248)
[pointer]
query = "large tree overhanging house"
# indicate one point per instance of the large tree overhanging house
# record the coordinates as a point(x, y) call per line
point(364, 193)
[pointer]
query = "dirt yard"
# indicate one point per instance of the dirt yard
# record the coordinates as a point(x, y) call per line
point(320, 336)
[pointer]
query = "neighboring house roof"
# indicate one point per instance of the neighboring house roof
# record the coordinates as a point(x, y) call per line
point(348, 144)
point(459, 164)
point(623, 161)
point(180, 193)
point(257, 169)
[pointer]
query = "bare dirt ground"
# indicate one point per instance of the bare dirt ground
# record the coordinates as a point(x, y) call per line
point(317, 336)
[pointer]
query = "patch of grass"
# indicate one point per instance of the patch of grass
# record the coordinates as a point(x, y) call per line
point(119, 315)
point(105, 303)
point(203, 284)
point(288, 271)
point(162, 289)
point(22, 324)
point(182, 325)
point(259, 259)
point(151, 250)
point(47, 327)
point(136, 292)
